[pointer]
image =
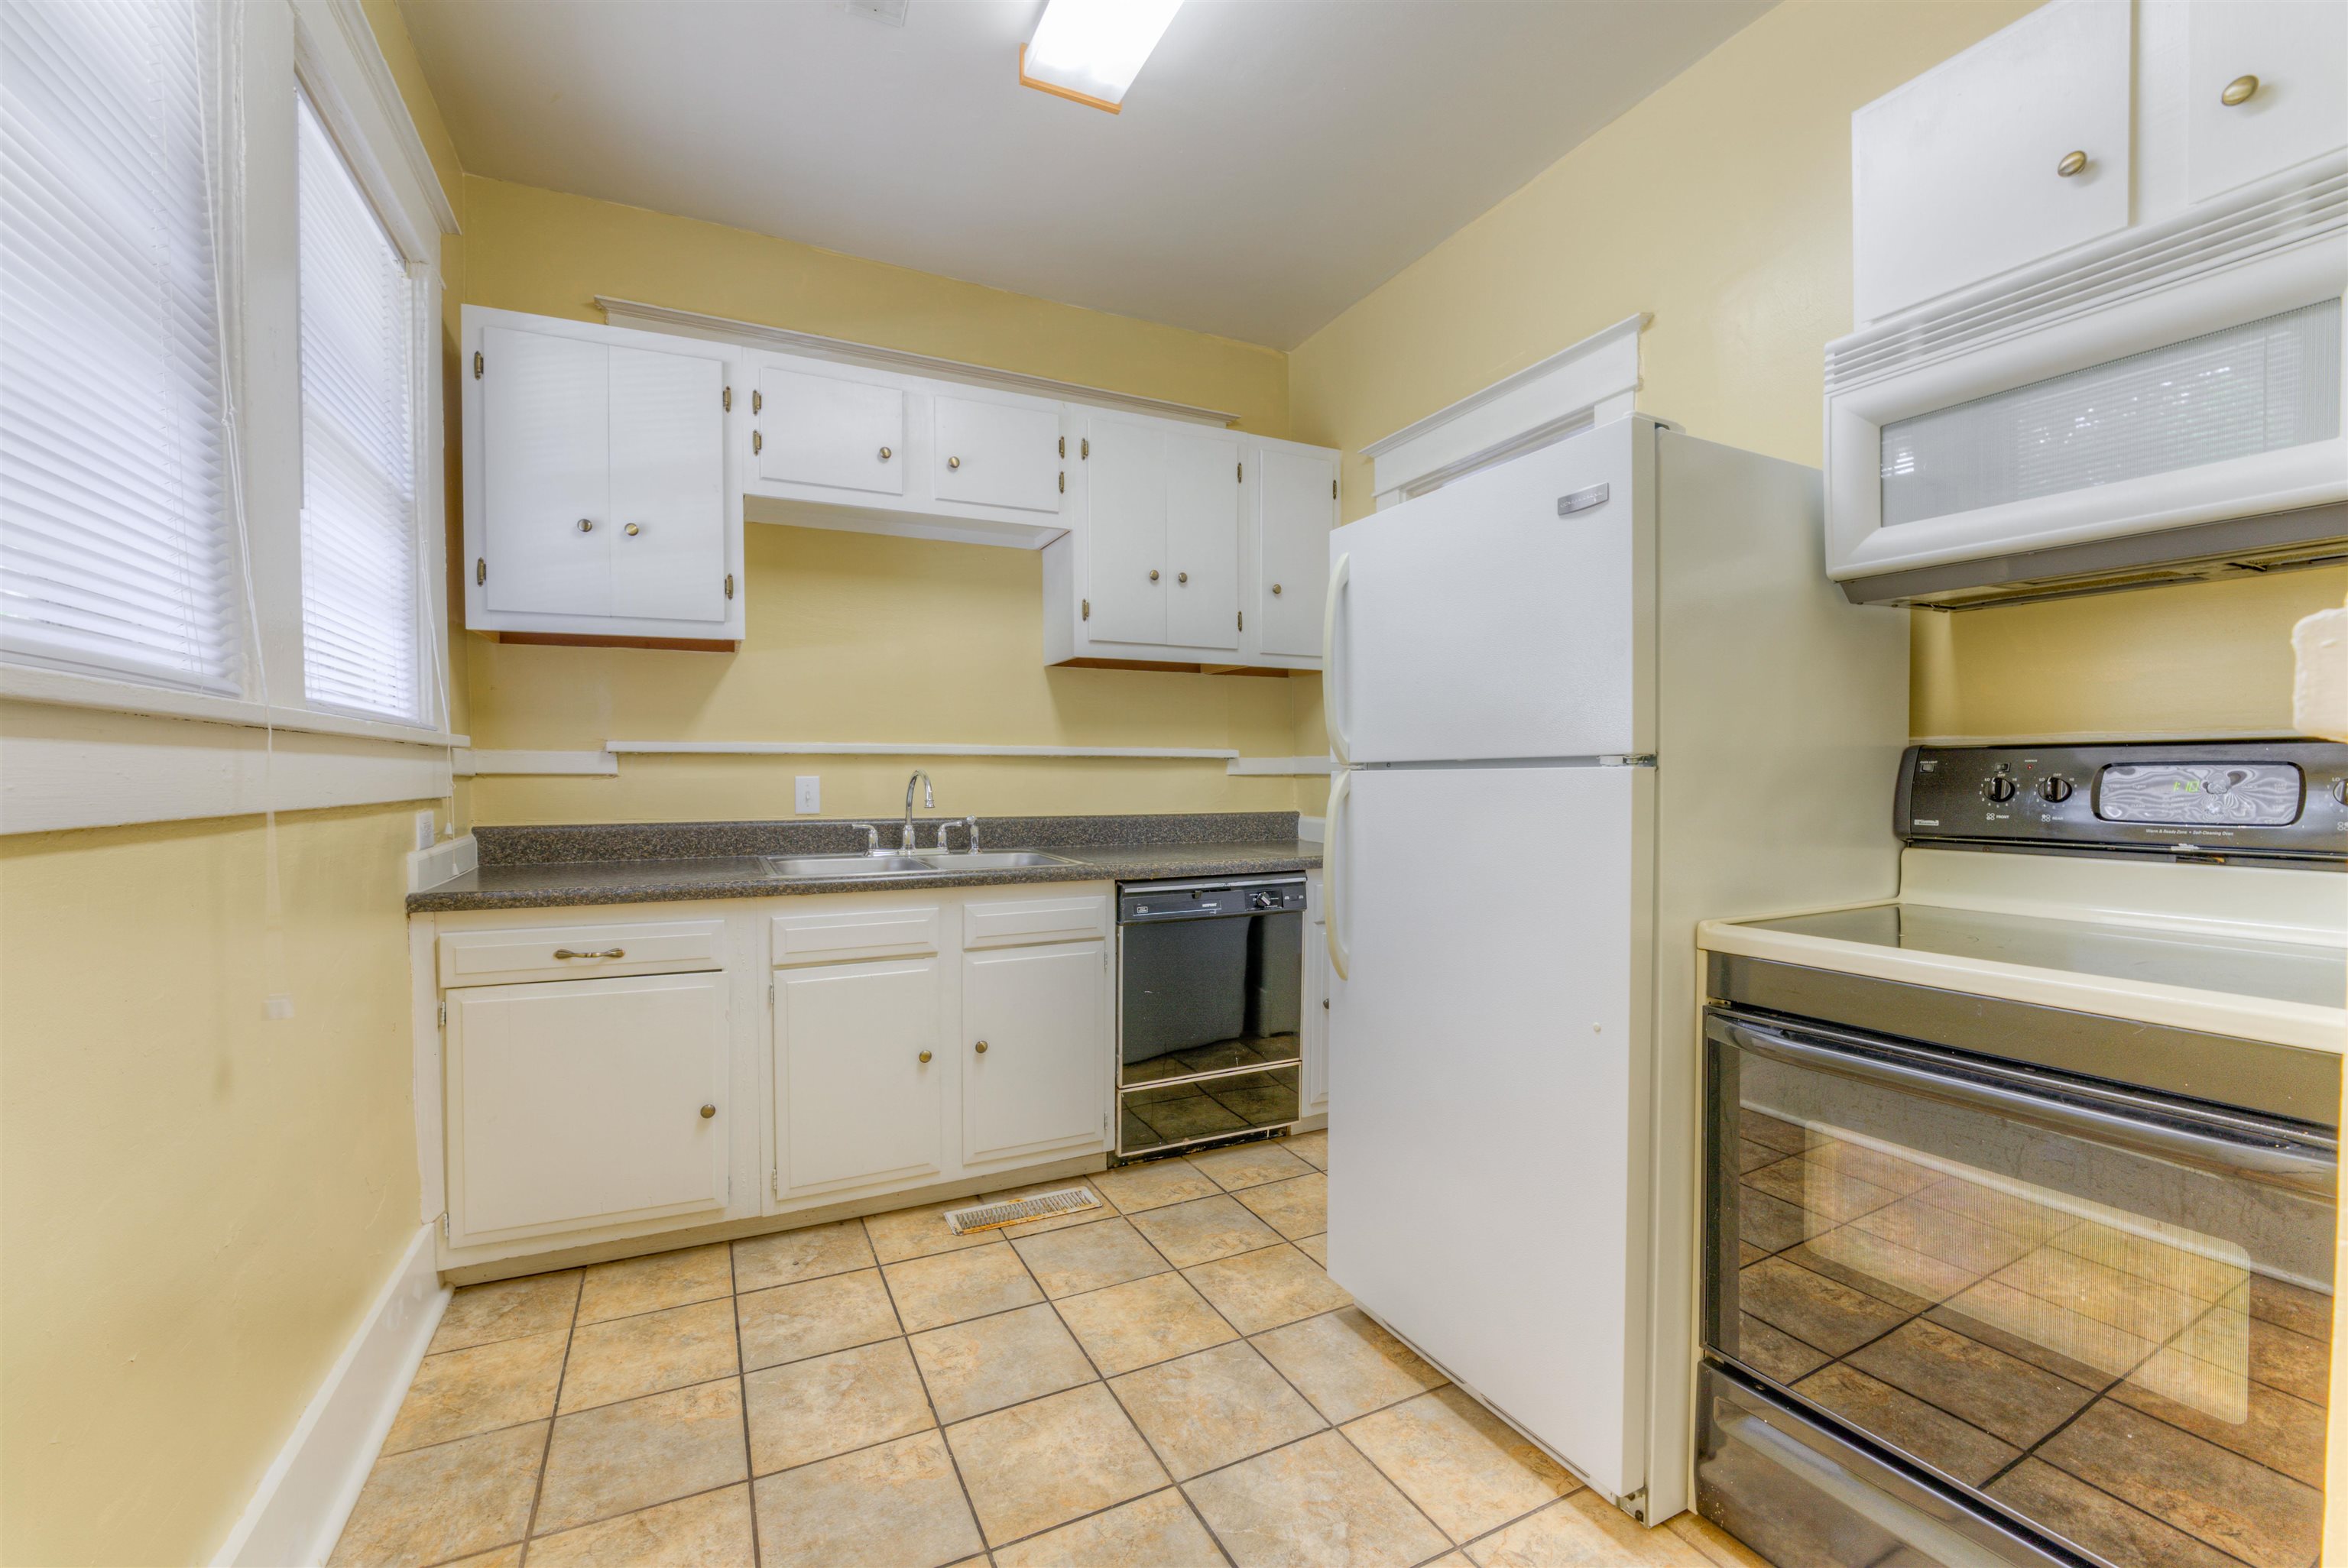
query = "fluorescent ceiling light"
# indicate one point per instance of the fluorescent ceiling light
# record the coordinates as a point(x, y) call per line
point(1090, 50)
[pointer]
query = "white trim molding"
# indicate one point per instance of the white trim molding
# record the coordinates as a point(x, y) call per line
point(375, 72)
point(725, 329)
point(1261, 767)
point(905, 749)
point(26, 683)
point(1593, 382)
point(306, 1495)
point(471, 764)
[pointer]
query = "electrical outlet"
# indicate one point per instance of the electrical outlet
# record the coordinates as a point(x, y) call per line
point(424, 830)
point(810, 793)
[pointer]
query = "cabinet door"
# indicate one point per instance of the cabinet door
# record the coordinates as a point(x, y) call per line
point(830, 431)
point(2298, 51)
point(668, 486)
point(1125, 530)
point(1295, 508)
point(855, 1100)
point(991, 454)
point(575, 1103)
point(1954, 176)
point(1042, 1078)
point(546, 434)
point(1202, 540)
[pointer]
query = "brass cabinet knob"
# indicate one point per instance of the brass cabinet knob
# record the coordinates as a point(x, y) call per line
point(953, 461)
point(633, 531)
point(1181, 577)
point(1153, 574)
point(925, 1056)
point(707, 1112)
point(2072, 162)
point(982, 1048)
point(1275, 591)
point(886, 453)
point(585, 527)
point(2240, 91)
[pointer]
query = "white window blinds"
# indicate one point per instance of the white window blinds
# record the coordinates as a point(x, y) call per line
point(361, 640)
point(116, 554)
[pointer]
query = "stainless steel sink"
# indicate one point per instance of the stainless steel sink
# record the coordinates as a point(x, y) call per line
point(991, 859)
point(832, 868)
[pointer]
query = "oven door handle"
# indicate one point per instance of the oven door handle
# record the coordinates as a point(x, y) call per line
point(2298, 1166)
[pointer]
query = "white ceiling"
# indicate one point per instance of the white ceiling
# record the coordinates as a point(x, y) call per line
point(1277, 161)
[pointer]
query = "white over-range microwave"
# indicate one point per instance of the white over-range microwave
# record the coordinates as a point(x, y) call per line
point(2162, 400)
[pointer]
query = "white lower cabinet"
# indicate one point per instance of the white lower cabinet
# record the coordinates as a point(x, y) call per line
point(1034, 1072)
point(856, 1073)
point(580, 1103)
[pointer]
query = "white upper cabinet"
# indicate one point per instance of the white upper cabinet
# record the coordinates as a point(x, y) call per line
point(996, 452)
point(1202, 539)
point(2013, 150)
point(828, 431)
point(1294, 491)
point(2266, 87)
point(1125, 528)
point(599, 500)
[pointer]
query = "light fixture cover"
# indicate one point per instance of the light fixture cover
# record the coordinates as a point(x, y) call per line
point(1090, 50)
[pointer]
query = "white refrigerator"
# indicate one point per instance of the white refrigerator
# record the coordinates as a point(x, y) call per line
point(1577, 701)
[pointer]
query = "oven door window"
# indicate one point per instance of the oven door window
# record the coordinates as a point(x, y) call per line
point(1209, 1022)
point(2118, 1334)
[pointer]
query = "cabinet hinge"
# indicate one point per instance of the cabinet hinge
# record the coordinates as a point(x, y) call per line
point(729, 585)
point(1332, 489)
point(481, 569)
point(1084, 447)
point(1088, 607)
point(770, 993)
point(477, 364)
point(444, 1224)
point(1064, 481)
point(1242, 474)
point(757, 401)
point(444, 1014)
point(1243, 620)
point(757, 442)
point(1064, 445)
point(729, 400)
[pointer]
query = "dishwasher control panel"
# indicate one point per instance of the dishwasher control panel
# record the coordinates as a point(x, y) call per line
point(1142, 902)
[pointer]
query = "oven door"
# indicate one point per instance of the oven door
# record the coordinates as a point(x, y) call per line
point(2099, 1313)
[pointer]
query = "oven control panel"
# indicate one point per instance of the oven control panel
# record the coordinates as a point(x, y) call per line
point(2229, 800)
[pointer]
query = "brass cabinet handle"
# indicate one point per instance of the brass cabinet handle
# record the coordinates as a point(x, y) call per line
point(607, 953)
point(585, 527)
point(886, 453)
point(2072, 162)
point(1275, 591)
point(953, 461)
point(633, 531)
point(982, 1048)
point(1153, 574)
point(2239, 91)
point(925, 1056)
point(1181, 577)
point(707, 1112)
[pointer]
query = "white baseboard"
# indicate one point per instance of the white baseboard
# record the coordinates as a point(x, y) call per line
point(297, 1513)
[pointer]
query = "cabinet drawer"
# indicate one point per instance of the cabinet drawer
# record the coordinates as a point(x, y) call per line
point(535, 952)
point(1008, 922)
point(824, 936)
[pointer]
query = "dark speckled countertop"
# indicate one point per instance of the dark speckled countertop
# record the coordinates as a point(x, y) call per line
point(550, 867)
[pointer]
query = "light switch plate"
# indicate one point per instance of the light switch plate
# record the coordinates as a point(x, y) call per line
point(810, 793)
point(425, 832)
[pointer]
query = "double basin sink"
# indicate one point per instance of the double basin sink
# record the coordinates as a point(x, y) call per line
point(920, 863)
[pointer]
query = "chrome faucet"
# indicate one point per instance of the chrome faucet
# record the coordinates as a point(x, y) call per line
point(928, 800)
point(972, 823)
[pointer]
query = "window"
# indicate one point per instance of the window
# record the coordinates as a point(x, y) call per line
point(362, 638)
point(117, 552)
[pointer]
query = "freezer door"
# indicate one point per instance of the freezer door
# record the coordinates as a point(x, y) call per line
point(1484, 1057)
point(1508, 614)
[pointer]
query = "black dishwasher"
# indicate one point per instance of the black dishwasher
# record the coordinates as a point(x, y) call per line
point(1211, 997)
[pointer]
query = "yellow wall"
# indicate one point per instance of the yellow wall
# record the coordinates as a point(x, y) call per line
point(1721, 206)
point(200, 1205)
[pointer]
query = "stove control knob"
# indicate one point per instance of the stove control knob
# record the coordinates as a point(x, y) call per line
point(2340, 790)
point(1999, 789)
point(2055, 789)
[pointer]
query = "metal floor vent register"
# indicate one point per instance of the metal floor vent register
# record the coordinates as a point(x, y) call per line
point(1041, 1206)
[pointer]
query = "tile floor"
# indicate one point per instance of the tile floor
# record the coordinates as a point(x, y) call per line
point(1167, 1381)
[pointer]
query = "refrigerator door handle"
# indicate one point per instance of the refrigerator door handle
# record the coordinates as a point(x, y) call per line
point(1341, 957)
point(1331, 686)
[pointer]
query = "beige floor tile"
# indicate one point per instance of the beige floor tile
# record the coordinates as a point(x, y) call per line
point(1345, 1364)
point(788, 1257)
point(918, 1233)
point(503, 1557)
point(1463, 1466)
point(507, 1310)
point(1089, 1257)
point(1203, 1230)
point(1202, 1411)
point(635, 1284)
point(952, 1285)
point(616, 1459)
point(1106, 1206)
point(460, 1392)
point(1313, 1148)
point(1151, 1319)
point(1315, 1248)
point(2033, 1319)
point(990, 1362)
point(1047, 1461)
point(1313, 1504)
point(444, 1502)
point(1297, 1209)
point(1154, 1531)
point(1260, 1290)
point(1715, 1545)
point(1250, 1166)
point(710, 1531)
point(814, 1317)
point(812, 1410)
point(1585, 1531)
point(896, 1505)
point(1154, 1183)
point(629, 1357)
